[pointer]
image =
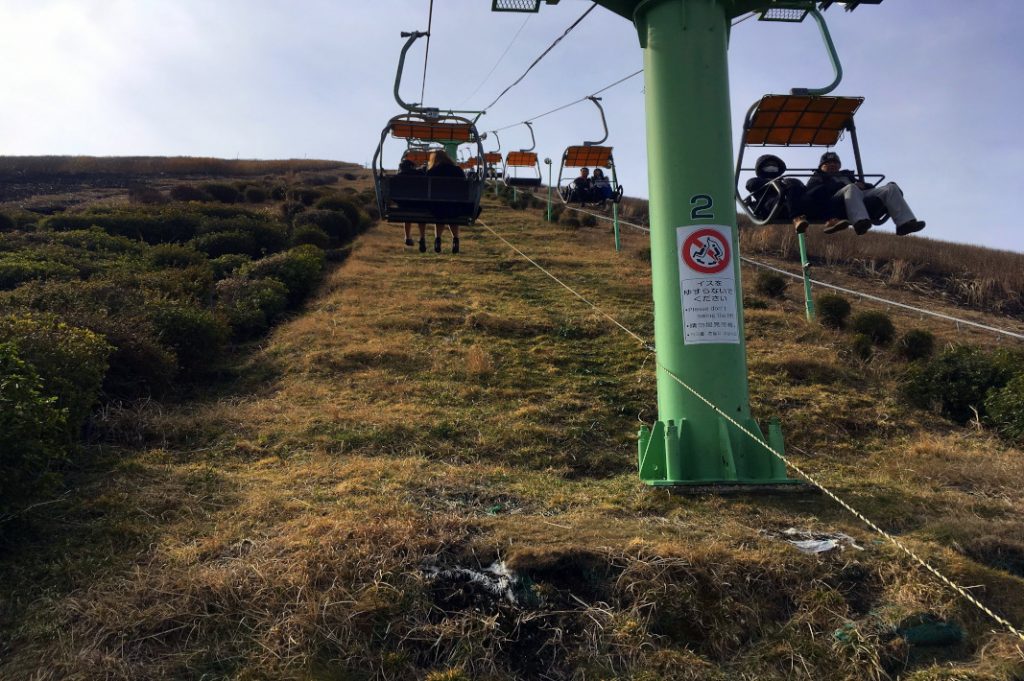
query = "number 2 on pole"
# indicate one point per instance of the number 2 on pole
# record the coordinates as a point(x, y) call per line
point(702, 204)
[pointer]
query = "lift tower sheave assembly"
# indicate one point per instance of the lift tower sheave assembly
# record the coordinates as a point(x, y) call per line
point(695, 264)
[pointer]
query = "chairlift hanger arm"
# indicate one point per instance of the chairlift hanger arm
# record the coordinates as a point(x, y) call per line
point(417, 107)
point(533, 139)
point(833, 56)
point(604, 122)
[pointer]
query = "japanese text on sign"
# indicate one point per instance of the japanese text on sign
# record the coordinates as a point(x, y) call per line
point(707, 285)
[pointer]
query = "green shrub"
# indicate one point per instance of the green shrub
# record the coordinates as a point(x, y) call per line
point(222, 192)
point(334, 223)
point(188, 192)
point(875, 325)
point(832, 310)
point(956, 383)
point(556, 212)
point(356, 217)
point(251, 305)
point(32, 429)
point(226, 265)
point(196, 335)
point(141, 193)
point(588, 220)
point(334, 202)
point(7, 223)
point(570, 222)
point(770, 284)
point(16, 269)
point(278, 193)
point(96, 240)
point(217, 244)
point(71, 361)
point(308, 234)
point(862, 346)
point(164, 224)
point(255, 195)
point(307, 197)
point(1005, 407)
point(290, 209)
point(173, 255)
point(299, 269)
point(916, 344)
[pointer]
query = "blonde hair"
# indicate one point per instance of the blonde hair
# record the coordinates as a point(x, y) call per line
point(439, 157)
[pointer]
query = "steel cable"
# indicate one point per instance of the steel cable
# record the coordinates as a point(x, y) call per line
point(426, 56)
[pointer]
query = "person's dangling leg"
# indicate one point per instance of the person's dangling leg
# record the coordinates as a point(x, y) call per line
point(408, 234)
point(454, 229)
point(892, 198)
point(438, 228)
point(856, 212)
point(423, 236)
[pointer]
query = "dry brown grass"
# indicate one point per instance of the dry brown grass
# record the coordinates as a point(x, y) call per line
point(449, 412)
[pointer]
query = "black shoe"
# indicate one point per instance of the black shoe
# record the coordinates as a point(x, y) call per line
point(455, 245)
point(835, 225)
point(801, 224)
point(862, 226)
point(437, 244)
point(910, 227)
point(423, 245)
point(408, 242)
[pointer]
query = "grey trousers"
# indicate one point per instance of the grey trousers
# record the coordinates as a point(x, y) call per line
point(890, 194)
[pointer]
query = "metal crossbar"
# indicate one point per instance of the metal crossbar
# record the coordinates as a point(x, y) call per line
point(807, 476)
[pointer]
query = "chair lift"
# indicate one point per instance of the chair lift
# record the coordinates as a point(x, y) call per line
point(524, 158)
point(807, 117)
point(493, 159)
point(585, 155)
point(421, 197)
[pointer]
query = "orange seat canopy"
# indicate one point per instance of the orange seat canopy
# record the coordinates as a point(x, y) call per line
point(416, 156)
point(433, 132)
point(492, 157)
point(468, 164)
point(580, 157)
point(521, 159)
point(786, 120)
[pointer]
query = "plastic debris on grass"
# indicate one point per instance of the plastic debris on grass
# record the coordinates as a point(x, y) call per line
point(815, 542)
point(496, 580)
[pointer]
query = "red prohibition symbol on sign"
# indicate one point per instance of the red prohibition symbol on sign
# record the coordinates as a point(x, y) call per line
point(706, 251)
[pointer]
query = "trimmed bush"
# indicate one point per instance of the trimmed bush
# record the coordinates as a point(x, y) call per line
point(570, 222)
point(862, 346)
point(956, 383)
point(16, 269)
point(173, 255)
point(188, 192)
point(195, 335)
point(219, 191)
point(144, 194)
point(166, 224)
point(71, 362)
point(588, 221)
point(217, 244)
point(32, 428)
point(307, 197)
point(875, 325)
point(226, 265)
point(556, 212)
point(290, 209)
point(916, 344)
point(1005, 408)
point(832, 310)
point(334, 223)
point(96, 240)
point(255, 195)
point(7, 223)
point(299, 269)
point(770, 284)
point(279, 193)
point(308, 234)
point(251, 305)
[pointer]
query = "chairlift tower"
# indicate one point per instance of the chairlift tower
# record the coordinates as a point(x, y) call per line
point(695, 264)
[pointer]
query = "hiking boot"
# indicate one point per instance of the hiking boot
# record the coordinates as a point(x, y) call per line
point(862, 226)
point(801, 224)
point(455, 245)
point(437, 244)
point(835, 225)
point(909, 227)
point(408, 242)
point(423, 245)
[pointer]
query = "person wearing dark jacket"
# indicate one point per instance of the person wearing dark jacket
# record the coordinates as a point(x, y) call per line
point(829, 182)
point(407, 167)
point(441, 164)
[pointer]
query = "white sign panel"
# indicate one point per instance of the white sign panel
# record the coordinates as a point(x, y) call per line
point(707, 284)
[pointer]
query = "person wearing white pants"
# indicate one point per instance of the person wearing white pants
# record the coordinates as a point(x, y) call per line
point(842, 184)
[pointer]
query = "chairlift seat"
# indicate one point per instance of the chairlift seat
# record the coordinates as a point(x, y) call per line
point(523, 181)
point(422, 198)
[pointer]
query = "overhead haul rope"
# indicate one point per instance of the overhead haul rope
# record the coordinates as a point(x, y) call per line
point(850, 291)
point(502, 57)
point(426, 56)
point(810, 478)
point(542, 55)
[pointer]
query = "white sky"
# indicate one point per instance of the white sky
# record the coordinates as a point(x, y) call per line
point(313, 78)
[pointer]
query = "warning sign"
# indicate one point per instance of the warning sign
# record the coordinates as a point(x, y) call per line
point(707, 285)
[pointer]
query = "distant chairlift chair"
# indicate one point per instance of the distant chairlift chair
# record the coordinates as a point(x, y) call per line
point(524, 158)
point(589, 154)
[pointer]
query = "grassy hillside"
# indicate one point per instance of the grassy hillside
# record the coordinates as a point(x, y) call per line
point(429, 473)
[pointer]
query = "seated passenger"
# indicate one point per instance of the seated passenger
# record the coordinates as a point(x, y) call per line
point(407, 167)
point(774, 195)
point(442, 165)
point(829, 182)
point(601, 186)
point(579, 189)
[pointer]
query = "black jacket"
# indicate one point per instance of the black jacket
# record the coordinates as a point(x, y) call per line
point(821, 188)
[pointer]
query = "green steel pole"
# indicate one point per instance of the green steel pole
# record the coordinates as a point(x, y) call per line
point(695, 264)
point(806, 269)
